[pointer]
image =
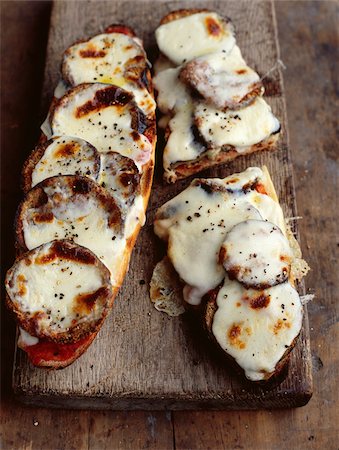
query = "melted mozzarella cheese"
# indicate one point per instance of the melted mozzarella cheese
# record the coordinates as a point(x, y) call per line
point(111, 58)
point(181, 145)
point(241, 129)
point(60, 90)
point(120, 176)
point(98, 126)
point(196, 222)
point(198, 34)
point(134, 145)
point(83, 220)
point(257, 327)
point(223, 79)
point(67, 156)
point(65, 282)
point(257, 253)
point(25, 339)
point(135, 216)
point(172, 93)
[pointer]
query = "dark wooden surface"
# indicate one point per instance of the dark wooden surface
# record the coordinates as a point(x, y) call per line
point(308, 39)
point(131, 365)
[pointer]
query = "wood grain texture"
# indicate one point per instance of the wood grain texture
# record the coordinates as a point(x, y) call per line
point(142, 359)
point(307, 31)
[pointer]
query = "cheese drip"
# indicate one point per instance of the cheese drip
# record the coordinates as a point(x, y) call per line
point(181, 145)
point(257, 327)
point(172, 93)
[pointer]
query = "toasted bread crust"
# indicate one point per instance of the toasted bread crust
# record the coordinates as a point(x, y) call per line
point(56, 363)
point(181, 169)
point(142, 124)
point(180, 13)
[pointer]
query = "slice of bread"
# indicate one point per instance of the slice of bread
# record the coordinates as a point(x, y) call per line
point(204, 127)
point(228, 242)
point(62, 193)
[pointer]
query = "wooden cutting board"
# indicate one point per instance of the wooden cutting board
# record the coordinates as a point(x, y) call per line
point(142, 359)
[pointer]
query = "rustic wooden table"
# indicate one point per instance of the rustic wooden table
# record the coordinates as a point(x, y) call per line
point(308, 40)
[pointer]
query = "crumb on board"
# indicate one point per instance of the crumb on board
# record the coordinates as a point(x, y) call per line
point(166, 289)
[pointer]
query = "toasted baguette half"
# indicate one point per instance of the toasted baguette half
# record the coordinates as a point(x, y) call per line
point(240, 314)
point(205, 150)
point(129, 171)
point(211, 158)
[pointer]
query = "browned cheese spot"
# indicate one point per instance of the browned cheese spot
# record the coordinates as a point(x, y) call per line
point(110, 96)
point(234, 334)
point(213, 27)
point(241, 71)
point(233, 272)
point(63, 250)
point(135, 136)
point(86, 302)
point(92, 52)
point(22, 288)
point(285, 258)
point(279, 325)
point(234, 180)
point(44, 217)
point(222, 254)
point(260, 188)
point(262, 301)
point(46, 259)
point(67, 150)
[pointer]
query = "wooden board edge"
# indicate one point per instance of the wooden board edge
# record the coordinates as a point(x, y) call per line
point(289, 400)
point(134, 402)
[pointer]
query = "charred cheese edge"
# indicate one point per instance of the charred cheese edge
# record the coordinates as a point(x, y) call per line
point(76, 297)
point(198, 225)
